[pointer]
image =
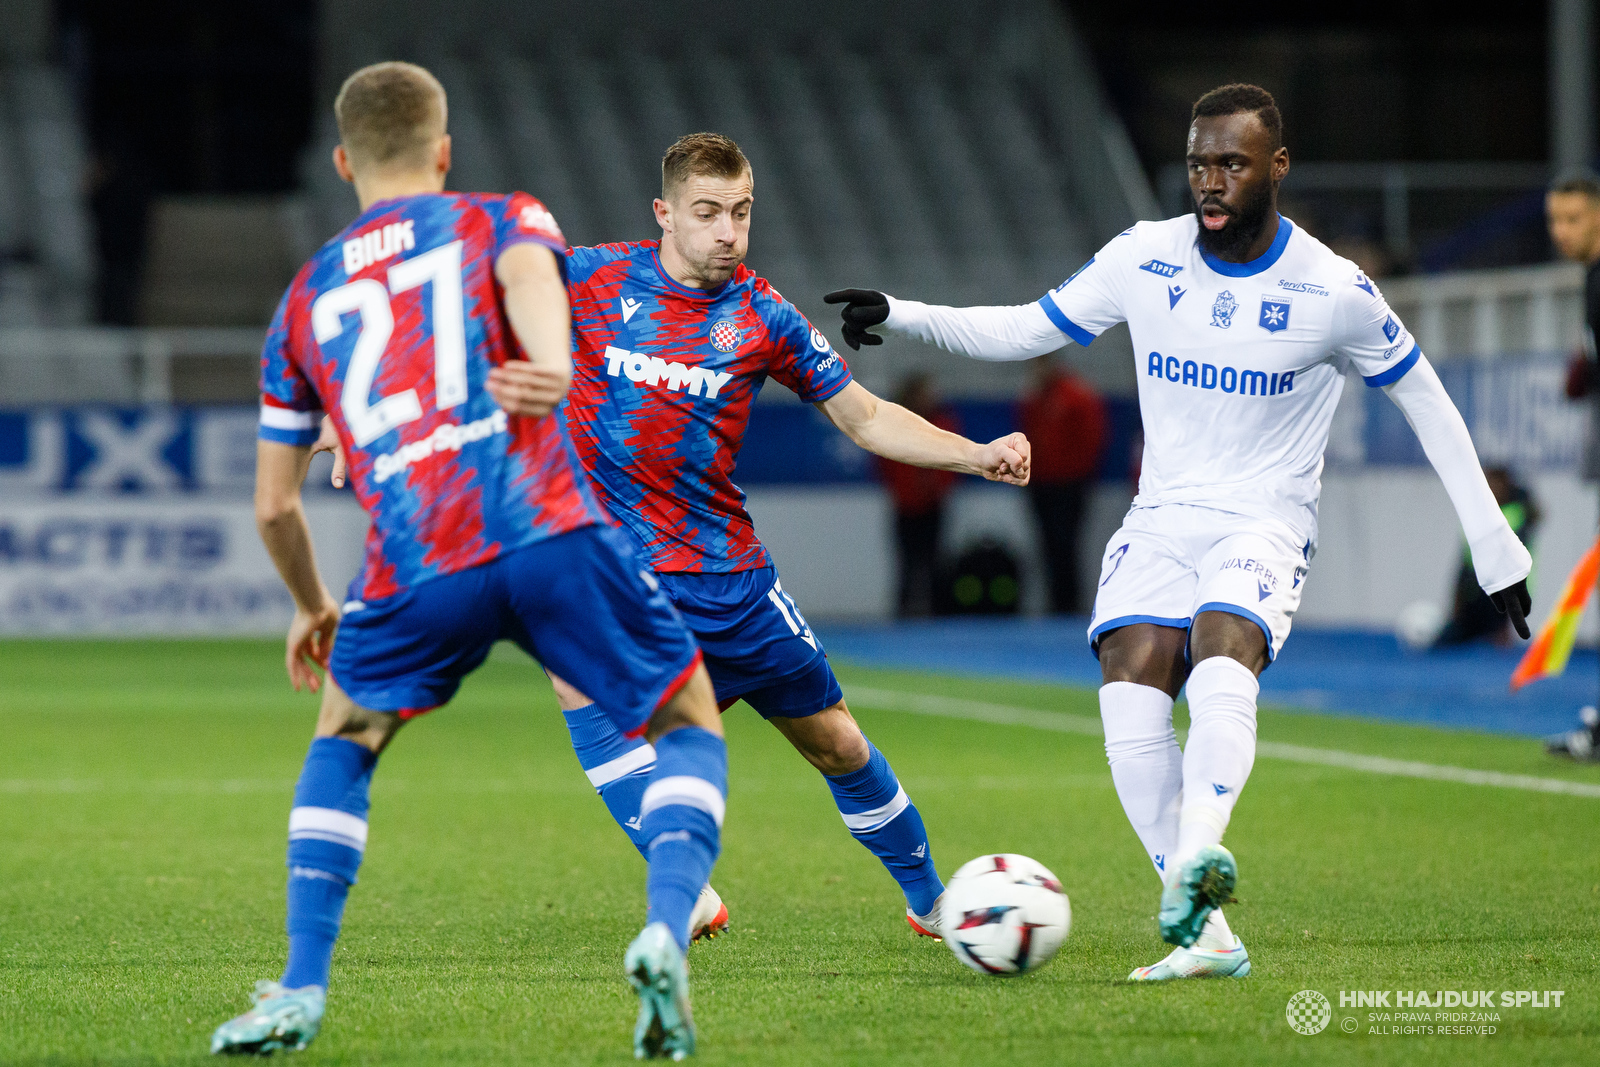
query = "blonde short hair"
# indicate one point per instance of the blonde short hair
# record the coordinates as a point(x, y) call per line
point(390, 115)
point(707, 154)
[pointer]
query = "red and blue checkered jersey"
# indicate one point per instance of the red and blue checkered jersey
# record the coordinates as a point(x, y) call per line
point(392, 328)
point(665, 376)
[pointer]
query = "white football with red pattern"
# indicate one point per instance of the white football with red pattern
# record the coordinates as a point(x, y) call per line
point(1004, 914)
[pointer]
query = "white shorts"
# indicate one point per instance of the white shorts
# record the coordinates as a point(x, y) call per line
point(1169, 563)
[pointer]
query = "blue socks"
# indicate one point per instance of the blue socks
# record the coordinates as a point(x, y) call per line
point(682, 816)
point(880, 815)
point(875, 808)
point(618, 767)
point(327, 835)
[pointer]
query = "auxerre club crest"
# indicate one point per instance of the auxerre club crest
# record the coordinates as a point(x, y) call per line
point(1274, 313)
point(1222, 311)
point(724, 335)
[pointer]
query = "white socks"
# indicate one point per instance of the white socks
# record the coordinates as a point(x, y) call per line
point(1220, 752)
point(1146, 764)
point(1149, 770)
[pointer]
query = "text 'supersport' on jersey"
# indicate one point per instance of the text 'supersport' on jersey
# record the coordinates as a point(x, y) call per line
point(661, 396)
point(392, 328)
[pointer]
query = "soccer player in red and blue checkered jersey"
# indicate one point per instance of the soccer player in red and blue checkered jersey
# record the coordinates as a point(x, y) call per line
point(673, 339)
point(483, 528)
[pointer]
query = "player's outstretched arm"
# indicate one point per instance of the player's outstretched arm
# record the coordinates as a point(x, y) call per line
point(1500, 560)
point(536, 304)
point(281, 518)
point(896, 433)
point(992, 333)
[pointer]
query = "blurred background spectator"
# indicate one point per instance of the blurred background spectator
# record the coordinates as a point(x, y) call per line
point(1472, 616)
point(1066, 421)
point(1572, 209)
point(918, 496)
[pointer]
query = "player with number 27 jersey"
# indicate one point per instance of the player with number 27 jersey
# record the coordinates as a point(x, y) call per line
point(398, 319)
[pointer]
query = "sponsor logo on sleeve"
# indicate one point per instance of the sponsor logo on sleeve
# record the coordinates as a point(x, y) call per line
point(1391, 329)
point(1166, 270)
point(537, 217)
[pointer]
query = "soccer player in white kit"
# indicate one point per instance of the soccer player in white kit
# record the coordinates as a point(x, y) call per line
point(1243, 329)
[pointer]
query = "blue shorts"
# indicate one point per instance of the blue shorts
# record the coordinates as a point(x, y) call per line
point(757, 645)
point(582, 604)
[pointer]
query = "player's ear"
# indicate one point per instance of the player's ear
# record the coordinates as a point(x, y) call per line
point(663, 212)
point(1280, 164)
point(341, 164)
point(442, 160)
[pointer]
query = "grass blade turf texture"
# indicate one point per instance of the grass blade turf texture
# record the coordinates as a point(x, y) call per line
point(146, 787)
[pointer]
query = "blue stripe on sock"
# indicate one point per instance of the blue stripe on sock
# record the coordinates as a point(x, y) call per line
point(902, 842)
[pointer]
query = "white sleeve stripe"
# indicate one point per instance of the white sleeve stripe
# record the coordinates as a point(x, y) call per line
point(863, 822)
point(624, 765)
point(285, 419)
point(328, 824)
point(686, 790)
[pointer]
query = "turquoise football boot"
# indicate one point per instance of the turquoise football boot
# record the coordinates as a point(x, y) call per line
point(660, 975)
point(1196, 889)
point(280, 1019)
point(1197, 963)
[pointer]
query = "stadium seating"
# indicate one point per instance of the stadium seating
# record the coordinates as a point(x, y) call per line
point(956, 157)
point(46, 240)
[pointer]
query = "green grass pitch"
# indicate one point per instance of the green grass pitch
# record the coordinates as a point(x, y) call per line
point(144, 793)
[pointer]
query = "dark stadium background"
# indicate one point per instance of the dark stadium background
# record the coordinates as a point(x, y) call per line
point(163, 171)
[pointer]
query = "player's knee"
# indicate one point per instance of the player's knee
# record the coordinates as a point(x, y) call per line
point(569, 696)
point(1222, 633)
point(830, 740)
point(342, 717)
point(1144, 654)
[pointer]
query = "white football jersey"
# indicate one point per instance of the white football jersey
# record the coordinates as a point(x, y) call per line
point(1240, 365)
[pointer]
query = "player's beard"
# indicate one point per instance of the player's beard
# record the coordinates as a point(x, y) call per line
point(710, 273)
point(717, 273)
point(1244, 225)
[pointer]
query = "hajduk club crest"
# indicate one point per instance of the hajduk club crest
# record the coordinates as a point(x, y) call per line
point(724, 335)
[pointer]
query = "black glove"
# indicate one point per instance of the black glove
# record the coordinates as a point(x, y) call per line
point(863, 308)
point(1514, 601)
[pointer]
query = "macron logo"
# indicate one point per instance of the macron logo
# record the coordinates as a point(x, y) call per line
point(628, 308)
point(653, 370)
point(374, 246)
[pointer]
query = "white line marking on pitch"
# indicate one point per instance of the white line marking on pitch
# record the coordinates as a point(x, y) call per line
point(1061, 722)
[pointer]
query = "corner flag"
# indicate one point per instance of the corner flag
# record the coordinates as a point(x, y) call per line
point(1547, 656)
